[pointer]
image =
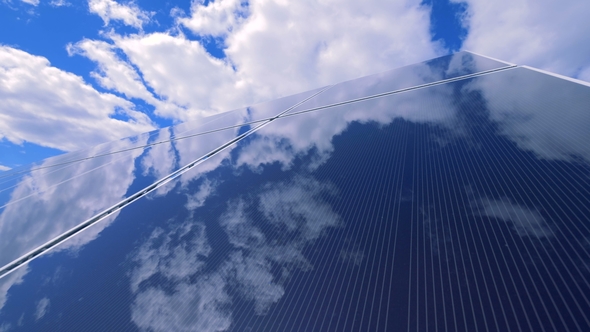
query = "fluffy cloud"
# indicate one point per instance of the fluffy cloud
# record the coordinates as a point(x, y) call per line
point(41, 206)
point(218, 18)
point(68, 113)
point(177, 254)
point(115, 74)
point(545, 34)
point(197, 297)
point(183, 73)
point(110, 10)
point(285, 47)
point(273, 48)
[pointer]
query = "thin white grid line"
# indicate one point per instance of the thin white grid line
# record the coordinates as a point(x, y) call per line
point(423, 194)
point(398, 145)
point(359, 225)
point(365, 234)
point(441, 220)
point(503, 281)
point(490, 143)
point(356, 229)
point(313, 309)
point(397, 221)
point(338, 267)
point(477, 257)
point(25, 174)
point(357, 236)
point(420, 199)
point(398, 196)
point(449, 171)
point(433, 223)
point(553, 263)
point(493, 185)
point(453, 261)
point(375, 210)
point(414, 156)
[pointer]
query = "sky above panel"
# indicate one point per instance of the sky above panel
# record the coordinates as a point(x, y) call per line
point(74, 74)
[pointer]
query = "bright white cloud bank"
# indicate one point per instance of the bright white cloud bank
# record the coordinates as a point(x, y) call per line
point(47, 106)
point(273, 48)
point(550, 35)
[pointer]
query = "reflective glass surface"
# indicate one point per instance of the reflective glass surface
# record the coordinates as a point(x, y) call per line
point(45, 203)
point(195, 128)
point(412, 76)
point(461, 206)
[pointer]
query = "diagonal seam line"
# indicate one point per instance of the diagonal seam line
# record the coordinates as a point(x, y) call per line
point(415, 87)
point(26, 258)
point(141, 146)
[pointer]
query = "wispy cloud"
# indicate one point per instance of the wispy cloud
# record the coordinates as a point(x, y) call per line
point(31, 2)
point(42, 308)
point(47, 106)
point(524, 220)
point(110, 10)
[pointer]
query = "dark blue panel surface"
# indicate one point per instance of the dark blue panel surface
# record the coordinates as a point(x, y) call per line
point(461, 206)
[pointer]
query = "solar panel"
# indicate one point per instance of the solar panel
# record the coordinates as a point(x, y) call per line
point(461, 205)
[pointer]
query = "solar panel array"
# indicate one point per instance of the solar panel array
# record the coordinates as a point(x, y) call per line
point(448, 195)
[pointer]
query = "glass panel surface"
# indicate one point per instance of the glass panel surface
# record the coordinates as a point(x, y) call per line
point(446, 67)
point(235, 118)
point(45, 203)
point(461, 206)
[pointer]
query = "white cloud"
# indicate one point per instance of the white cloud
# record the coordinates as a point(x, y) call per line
point(529, 116)
point(110, 10)
point(42, 308)
point(273, 49)
point(44, 105)
point(545, 34)
point(190, 307)
point(14, 278)
point(296, 206)
point(197, 199)
point(524, 220)
point(177, 254)
point(59, 3)
point(4, 168)
point(286, 47)
point(218, 18)
point(31, 2)
point(199, 299)
point(116, 74)
point(161, 253)
point(45, 204)
point(183, 73)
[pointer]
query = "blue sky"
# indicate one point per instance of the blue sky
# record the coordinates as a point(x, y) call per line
point(74, 74)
